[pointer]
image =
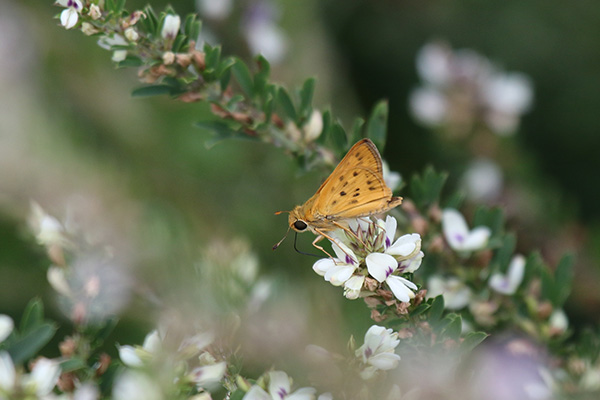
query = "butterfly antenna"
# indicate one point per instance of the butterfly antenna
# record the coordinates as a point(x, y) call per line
point(282, 239)
point(301, 252)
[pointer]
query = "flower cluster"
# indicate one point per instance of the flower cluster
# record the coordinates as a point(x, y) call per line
point(193, 366)
point(368, 257)
point(463, 89)
point(377, 352)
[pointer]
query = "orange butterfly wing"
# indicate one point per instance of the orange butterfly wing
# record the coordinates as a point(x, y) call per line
point(354, 189)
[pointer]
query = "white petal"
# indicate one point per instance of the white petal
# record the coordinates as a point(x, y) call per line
point(368, 372)
point(381, 265)
point(428, 106)
point(339, 274)
point(455, 228)
point(400, 287)
point(256, 393)
point(7, 372)
point(69, 17)
point(558, 320)
point(6, 326)
point(500, 284)
point(62, 3)
point(313, 128)
point(170, 26)
point(305, 393)
point(325, 264)
point(353, 286)
point(44, 376)
point(134, 385)
point(390, 230)
point(406, 245)
point(192, 345)
point(279, 382)
point(209, 373)
point(129, 356)
point(87, 391)
point(325, 396)
point(412, 264)
point(385, 361)
point(119, 55)
point(344, 253)
point(516, 270)
point(434, 63)
point(477, 239)
point(152, 342)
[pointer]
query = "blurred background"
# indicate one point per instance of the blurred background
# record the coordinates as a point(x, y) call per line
point(136, 174)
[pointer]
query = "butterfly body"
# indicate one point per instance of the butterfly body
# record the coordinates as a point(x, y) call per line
point(354, 189)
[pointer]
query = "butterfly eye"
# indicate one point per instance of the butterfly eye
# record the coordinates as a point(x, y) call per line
point(300, 225)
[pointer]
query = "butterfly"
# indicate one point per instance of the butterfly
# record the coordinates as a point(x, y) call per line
point(354, 189)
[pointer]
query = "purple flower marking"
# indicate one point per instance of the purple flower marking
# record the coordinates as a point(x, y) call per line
point(388, 242)
point(401, 267)
point(368, 352)
point(72, 3)
point(282, 393)
point(459, 237)
point(349, 260)
point(388, 271)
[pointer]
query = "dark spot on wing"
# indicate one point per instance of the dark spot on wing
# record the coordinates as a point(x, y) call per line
point(342, 193)
point(334, 202)
point(356, 195)
point(354, 201)
point(345, 183)
point(360, 158)
point(372, 188)
point(369, 182)
point(341, 178)
point(357, 189)
point(355, 173)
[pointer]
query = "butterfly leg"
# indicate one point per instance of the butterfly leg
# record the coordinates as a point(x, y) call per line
point(317, 240)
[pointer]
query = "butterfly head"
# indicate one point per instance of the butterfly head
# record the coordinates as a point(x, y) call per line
point(296, 221)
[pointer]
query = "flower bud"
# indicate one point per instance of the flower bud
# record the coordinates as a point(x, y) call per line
point(313, 128)
point(131, 34)
point(95, 12)
point(88, 29)
point(170, 26)
point(168, 57)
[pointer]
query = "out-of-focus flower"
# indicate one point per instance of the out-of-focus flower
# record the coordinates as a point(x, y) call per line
point(131, 34)
point(215, 9)
point(88, 29)
point(483, 180)
point(392, 178)
point(456, 294)
point(95, 12)
point(135, 385)
point(463, 89)
point(170, 27)
point(377, 352)
point(43, 377)
point(168, 57)
point(110, 42)
point(87, 391)
point(137, 356)
point(559, 321)
point(70, 16)
point(313, 128)
point(47, 229)
point(6, 326)
point(208, 374)
point(279, 388)
point(262, 33)
point(7, 373)
point(458, 235)
point(509, 283)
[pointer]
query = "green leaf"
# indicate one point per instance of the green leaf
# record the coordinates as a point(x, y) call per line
point(72, 364)
point(151, 21)
point(453, 328)
point(243, 77)
point(377, 124)
point(178, 43)
point(285, 101)
point(119, 6)
point(109, 5)
point(153, 90)
point(549, 291)
point(30, 344)
point(324, 137)
point(130, 61)
point(105, 330)
point(237, 395)
point(261, 79)
point(426, 189)
point(505, 253)
point(563, 279)
point(492, 218)
point(420, 309)
point(306, 97)
point(436, 310)
point(221, 131)
point(191, 27)
point(338, 138)
point(33, 316)
point(472, 340)
point(356, 133)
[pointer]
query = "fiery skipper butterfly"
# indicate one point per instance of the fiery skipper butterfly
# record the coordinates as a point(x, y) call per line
point(354, 189)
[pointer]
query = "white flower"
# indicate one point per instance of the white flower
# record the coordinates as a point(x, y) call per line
point(119, 55)
point(509, 283)
point(88, 29)
point(7, 373)
point(47, 229)
point(266, 38)
point(6, 326)
point(377, 352)
point(279, 389)
point(43, 377)
point(456, 294)
point(392, 178)
point(508, 93)
point(70, 16)
point(381, 267)
point(340, 269)
point(135, 356)
point(95, 12)
point(208, 374)
point(87, 391)
point(483, 180)
point(434, 63)
point(215, 9)
point(170, 27)
point(353, 286)
point(191, 346)
point(131, 34)
point(134, 385)
point(428, 105)
point(325, 396)
point(406, 246)
point(559, 321)
point(129, 356)
point(313, 128)
point(458, 235)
